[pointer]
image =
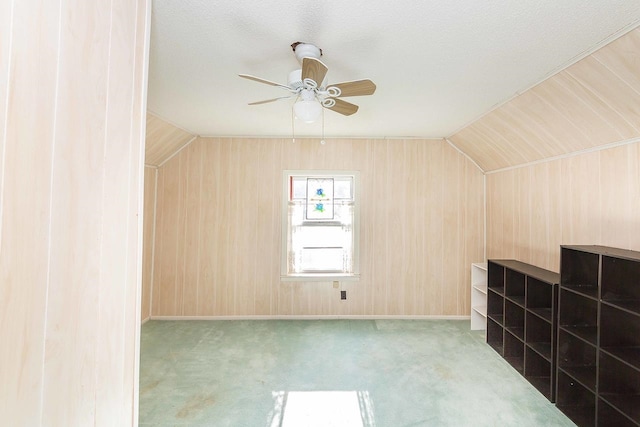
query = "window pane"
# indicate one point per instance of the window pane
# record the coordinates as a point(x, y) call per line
point(343, 188)
point(319, 198)
point(299, 190)
point(322, 259)
point(320, 226)
point(315, 236)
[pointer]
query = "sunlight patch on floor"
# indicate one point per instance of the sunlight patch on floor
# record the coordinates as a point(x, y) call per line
point(322, 409)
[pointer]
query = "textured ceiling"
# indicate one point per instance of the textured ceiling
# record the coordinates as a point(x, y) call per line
point(438, 65)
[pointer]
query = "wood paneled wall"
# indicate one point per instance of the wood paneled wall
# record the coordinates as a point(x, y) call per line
point(72, 111)
point(218, 241)
point(163, 140)
point(591, 199)
point(592, 103)
point(150, 177)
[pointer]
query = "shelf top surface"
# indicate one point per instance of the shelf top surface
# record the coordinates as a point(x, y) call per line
point(605, 250)
point(529, 270)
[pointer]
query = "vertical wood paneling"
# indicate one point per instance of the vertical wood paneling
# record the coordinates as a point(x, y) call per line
point(163, 140)
point(169, 230)
point(421, 227)
point(121, 175)
point(434, 233)
point(70, 210)
point(27, 144)
point(82, 99)
point(209, 232)
point(615, 202)
point(581, 210)
point(150, 177)
point(588, 199)
point(452, 238)
point(395, 186)
point(193, 221)
point(158, 242)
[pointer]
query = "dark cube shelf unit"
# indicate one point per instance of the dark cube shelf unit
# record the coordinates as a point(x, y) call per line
point(521, 320)
point(598, 379)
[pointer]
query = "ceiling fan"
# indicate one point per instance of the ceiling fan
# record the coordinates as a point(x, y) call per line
point(310, 89)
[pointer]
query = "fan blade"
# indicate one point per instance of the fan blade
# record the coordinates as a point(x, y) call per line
point(313, 69)
point(269, 100)
point(355, 88)
point(343, 107)
point(258, 79)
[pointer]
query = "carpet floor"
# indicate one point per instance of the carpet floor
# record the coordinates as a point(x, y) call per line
point(351, 373)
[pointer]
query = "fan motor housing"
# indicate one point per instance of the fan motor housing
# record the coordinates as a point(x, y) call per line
point(294, 80)
point(306, 50)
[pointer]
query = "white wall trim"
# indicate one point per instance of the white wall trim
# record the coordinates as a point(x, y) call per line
point(485, 222)
point(568, 155)
point(153, 242)
point(464, 154)
point(159, 117)
point(315, 317)
point(328, 139)
point(177, 151)
point(146, 36)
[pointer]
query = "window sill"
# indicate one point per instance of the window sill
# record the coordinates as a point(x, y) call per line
point(320, 277)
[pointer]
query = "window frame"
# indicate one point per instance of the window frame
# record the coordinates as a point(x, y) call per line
point(308, 277)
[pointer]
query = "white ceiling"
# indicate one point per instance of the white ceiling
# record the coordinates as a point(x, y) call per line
point(438, 64)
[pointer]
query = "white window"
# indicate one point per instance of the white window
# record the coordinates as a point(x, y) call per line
point(320, 225)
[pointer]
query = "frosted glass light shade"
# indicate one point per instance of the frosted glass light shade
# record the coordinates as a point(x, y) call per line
point(307, 111)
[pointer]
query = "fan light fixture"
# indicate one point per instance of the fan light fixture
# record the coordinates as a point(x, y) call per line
point(307, 111)
point(310, 89)
point(307, 108)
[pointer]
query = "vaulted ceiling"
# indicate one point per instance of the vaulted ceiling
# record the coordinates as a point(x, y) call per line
point(592, 103)
point(506, 82)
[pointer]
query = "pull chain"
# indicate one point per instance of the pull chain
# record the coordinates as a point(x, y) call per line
point(322, 141)
point(293, 126)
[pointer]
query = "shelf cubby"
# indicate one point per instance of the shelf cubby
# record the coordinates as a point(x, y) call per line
point(538, 371)
point(611, 417)
point(478, 313)
point(621, 342)
point(514, 286)
point(495, 306)
point(577, 402)
point(495, 278)
point(495, 336)
point(621, 283)
point(540, 298)
point(577, 359)
point(599, 336)
point(514, 319)
point(579, 315)
point(514, 351)
point(522, 306)
point(619, 385)
point(579, 271)
point(539, 334)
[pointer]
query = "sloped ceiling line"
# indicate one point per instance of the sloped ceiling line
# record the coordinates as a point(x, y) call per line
point(540, 124)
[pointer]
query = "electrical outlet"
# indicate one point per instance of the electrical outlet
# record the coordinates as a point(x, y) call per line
point(343, 294)
point(336, 284)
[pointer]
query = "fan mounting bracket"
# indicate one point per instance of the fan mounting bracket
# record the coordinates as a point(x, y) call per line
point(306, 50)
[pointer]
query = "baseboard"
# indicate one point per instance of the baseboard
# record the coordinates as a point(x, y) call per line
point(145, 320)
point(313, 317)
